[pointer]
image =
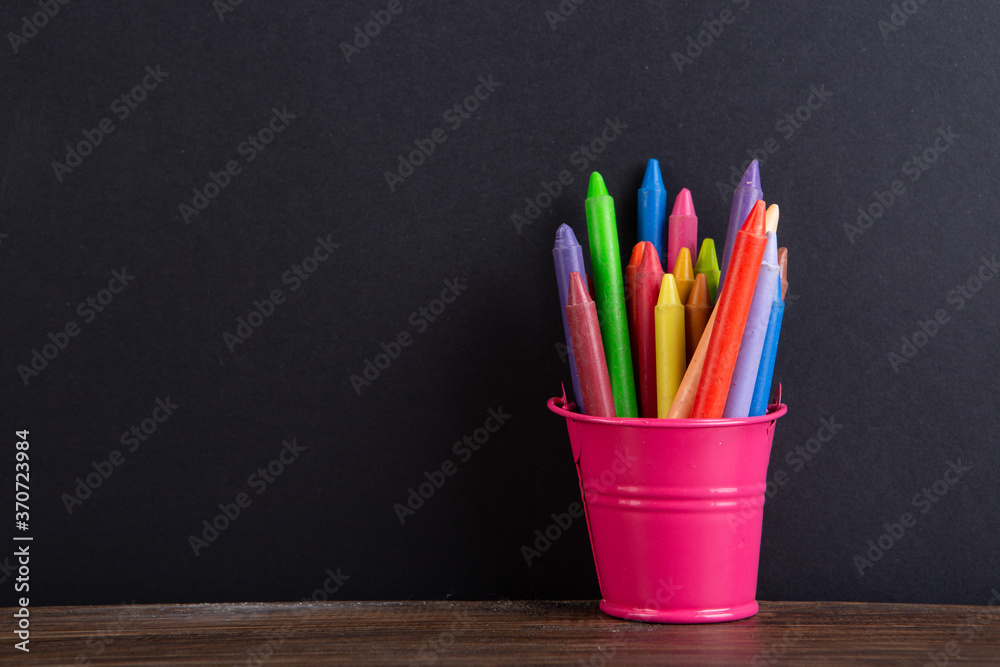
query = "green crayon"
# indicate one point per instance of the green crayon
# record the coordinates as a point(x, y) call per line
point(708, 264)
point(606, 264)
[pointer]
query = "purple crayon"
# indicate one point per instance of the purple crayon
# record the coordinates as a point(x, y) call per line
point(744, 197)
point(752, 344)
point(568, 257)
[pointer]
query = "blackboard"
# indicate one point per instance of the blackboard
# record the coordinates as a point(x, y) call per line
point(267, 268)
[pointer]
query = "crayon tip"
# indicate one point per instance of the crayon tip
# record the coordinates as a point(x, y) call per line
point(755, 221)
point(577, 290)
point(751, 177)
point(597, 188)
point(707, 259)
point(565, 237)
point(771, 249)
point(669, 295)
point(699, 293)
point(771, 218)
point(683, 204)
point(783, 266)
point(636, 257)
point(682, 265)
point(649, 262)
point(653, 179)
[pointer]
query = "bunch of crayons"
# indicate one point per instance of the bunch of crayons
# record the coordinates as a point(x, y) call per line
point(689, 342)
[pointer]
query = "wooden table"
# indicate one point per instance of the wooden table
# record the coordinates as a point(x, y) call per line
point(426, 633)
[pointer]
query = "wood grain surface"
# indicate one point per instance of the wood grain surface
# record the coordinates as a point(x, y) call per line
point(509, 632)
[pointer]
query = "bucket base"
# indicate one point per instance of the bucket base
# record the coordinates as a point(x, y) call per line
point(681, 615)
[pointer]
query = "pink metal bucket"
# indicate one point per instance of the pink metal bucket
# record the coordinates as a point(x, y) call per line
point(674, 510)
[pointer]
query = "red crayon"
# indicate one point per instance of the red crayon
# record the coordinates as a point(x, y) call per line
point(648, 280)
point(588, 349)
point(733, 307)
point(630, 273)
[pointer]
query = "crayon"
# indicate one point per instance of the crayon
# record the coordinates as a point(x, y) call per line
point(752, 344)
point(648, 281)
point(568, 256)
point(765, 371)
point(771, 218)
point(684, 274)
point(708, 265)
point(744, 198)
point(684, 398)
point(585, 330)
point(783, 263)
point(670, 344)
point(682, 228)
point(652, 207)
point(733, 308)
point(630, 271)
point(605, 260)
point(697, 310)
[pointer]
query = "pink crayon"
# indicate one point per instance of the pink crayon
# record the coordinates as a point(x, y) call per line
point(682, 229)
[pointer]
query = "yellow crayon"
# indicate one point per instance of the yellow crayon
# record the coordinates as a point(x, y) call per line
point(684, 274)
point(670, 349)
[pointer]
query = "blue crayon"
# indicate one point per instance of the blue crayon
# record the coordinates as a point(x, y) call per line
point(653, 208)
point(568, 256)
point(762, 388)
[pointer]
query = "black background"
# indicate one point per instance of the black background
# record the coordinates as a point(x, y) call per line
point(853, 297)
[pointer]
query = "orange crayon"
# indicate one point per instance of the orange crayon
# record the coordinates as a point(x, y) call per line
point(783, 266)
point(684, 273)
point(684, 398)
point(697, 310)
point(733, 308)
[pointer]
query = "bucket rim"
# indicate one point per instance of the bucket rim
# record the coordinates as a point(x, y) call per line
point(559, 405)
